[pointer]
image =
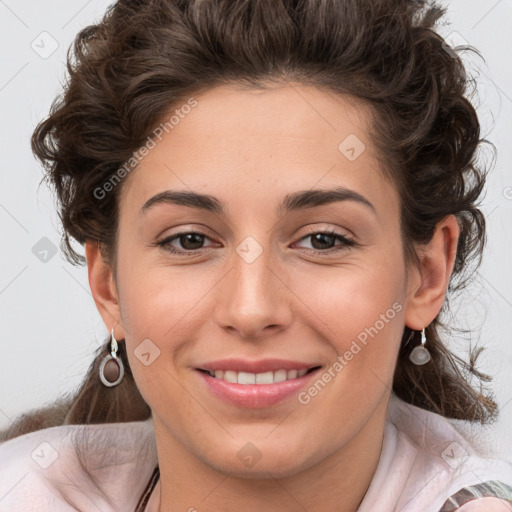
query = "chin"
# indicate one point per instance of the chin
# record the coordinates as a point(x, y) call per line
point(251, 463)
point(261, 471)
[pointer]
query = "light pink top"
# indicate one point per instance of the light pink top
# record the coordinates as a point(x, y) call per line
point(424, 461)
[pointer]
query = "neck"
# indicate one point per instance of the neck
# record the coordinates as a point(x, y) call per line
point(341, 478)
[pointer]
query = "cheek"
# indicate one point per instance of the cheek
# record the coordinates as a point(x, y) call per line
point(351, 298)
point(162, 310)
point(156, 297)
point(359, 311)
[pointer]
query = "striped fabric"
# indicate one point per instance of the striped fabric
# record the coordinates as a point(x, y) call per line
point(490, 489)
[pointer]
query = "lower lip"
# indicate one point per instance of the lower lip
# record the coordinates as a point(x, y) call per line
point(255, 395)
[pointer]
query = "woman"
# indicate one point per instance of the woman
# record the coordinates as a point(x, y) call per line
point(274, 199)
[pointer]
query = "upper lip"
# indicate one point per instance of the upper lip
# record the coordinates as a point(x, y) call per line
point(259, 366)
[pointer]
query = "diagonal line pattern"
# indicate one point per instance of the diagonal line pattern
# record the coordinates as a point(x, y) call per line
point(14, 76)
point(494, 83)
point(277, 482)
point(76, 281)
point(203, 296)
point(486, 14)
point(279, 424)
point(221, 220)
point(197, 401)
point(10, 490)
point(13, 279)
point(296, 90)
point(116, 320)
point(76, 14)
point(14, 14)
point(494, 288)
point(216, 487)
point(76, 486)
point(286, 491)
point(7, 416)
point(13, 217)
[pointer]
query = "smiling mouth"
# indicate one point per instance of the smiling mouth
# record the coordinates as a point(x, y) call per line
point(270, 377)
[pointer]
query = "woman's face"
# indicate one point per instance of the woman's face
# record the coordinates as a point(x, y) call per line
point(260, 281)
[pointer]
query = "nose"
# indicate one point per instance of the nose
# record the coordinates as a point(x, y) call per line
point(253, 299)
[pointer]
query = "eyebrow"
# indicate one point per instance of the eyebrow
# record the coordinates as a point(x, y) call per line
point(295, 201)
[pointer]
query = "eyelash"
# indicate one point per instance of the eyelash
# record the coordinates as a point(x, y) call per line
point(346, 242)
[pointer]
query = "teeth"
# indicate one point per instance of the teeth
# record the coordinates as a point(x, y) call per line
point(265, 378)
point(258, 378)
point(292, 374)
point(246, 378)
point(280, 376)
point(230, 376)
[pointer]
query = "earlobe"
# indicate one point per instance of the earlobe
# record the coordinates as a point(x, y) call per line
point(426, 294)
point(102, 286)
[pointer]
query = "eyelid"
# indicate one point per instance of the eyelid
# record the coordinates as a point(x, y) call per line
point(347, 242)
point(166, 240)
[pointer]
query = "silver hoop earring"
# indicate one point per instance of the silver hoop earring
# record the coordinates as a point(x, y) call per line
point(420, 355)
point(112, 368)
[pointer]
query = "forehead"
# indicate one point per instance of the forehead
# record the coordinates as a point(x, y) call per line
point(299, 113)
point(242, 144)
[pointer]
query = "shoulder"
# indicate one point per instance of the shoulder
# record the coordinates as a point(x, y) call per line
point(489, 496)
point(425, 461)
point(486, 505)
point(73, 467)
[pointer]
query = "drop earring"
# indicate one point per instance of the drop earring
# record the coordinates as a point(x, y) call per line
point(112, 368)
point(420, 355)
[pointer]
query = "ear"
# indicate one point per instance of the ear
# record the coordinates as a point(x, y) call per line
point(428, 283)
point(103, 288)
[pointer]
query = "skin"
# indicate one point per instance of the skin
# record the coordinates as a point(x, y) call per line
point(249, 148)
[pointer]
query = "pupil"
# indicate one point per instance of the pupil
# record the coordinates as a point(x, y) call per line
point(322, 236)
point(185, 239)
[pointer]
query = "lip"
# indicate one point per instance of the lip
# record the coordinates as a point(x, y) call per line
point(255, 395)
point(260, 366)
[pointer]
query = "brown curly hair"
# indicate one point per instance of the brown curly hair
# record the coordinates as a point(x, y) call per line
point(146, 57)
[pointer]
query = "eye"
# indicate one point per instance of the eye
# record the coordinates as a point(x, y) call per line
point(324, 241)
point(190, 241)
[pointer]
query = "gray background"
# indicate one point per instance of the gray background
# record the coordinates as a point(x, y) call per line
point(49, 323)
